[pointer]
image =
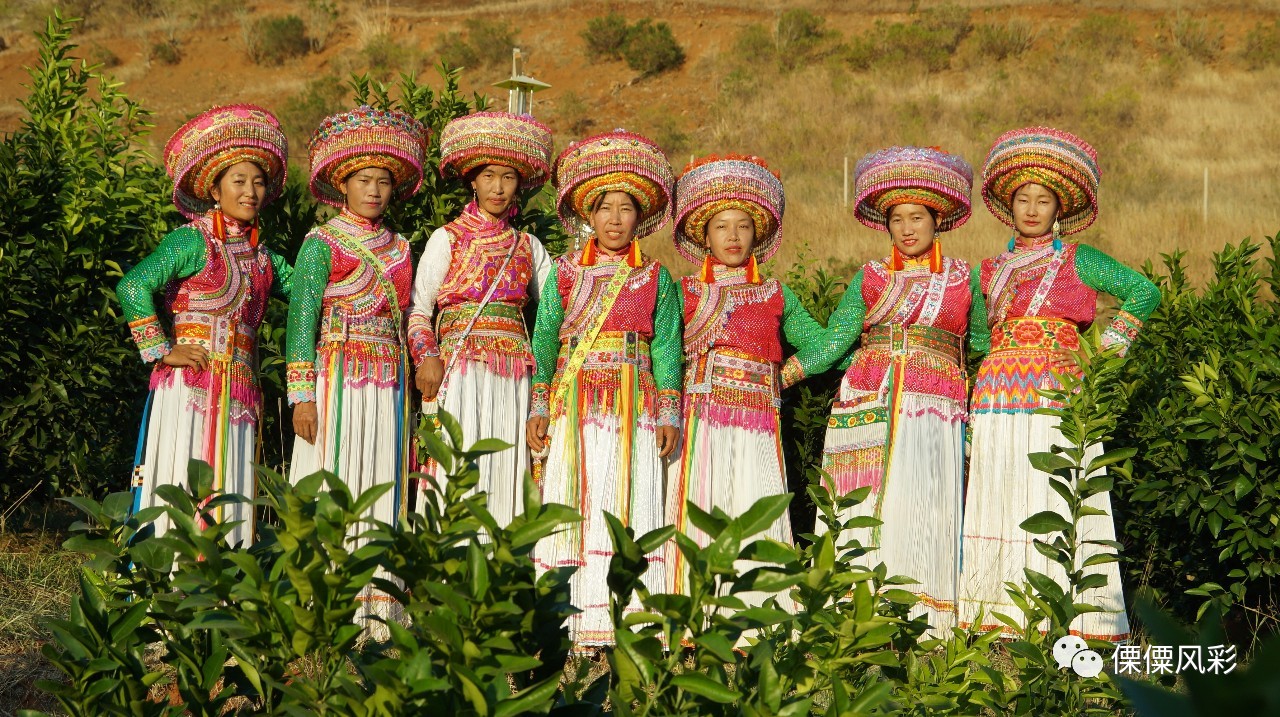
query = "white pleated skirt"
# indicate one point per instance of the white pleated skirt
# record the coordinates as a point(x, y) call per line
point(488, 405)
point(1003, 491)
point(919, 499)
point(180, 429)
point(586, 470)
point(360, 443)
point(727, 467)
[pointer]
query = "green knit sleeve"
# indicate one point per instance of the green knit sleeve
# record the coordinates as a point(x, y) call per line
point(802, 331)
point(546, 342)
point(667, 349)
point(309, 280)
point(180, 255)
point(282, 283)
point(1138, 295)
point(979, 332)
point(843, 329)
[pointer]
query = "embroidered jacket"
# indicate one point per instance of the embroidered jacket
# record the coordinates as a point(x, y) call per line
point(215, 296)
point(351, 289)
point(641, 329)
point(460, 264)
point(733, 333)
point(1039, 296)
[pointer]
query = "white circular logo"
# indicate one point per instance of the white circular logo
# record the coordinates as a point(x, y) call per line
point(1087, 663)
point(1066, 648)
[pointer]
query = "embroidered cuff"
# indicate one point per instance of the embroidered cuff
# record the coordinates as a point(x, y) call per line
point(1121, 332)
point(792, 372)
point(540, 401)
point(149, 336)
point(302, 381)
point(421, 339)
point(669, 408)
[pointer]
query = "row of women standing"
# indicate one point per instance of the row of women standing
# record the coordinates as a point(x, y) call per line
point(632, 383)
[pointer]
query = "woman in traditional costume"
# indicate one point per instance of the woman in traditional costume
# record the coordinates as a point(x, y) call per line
point(606, 394)
point(1040, 293)
point(729, 220)
point(466, 331)
point(347, 364)
point(898, 424)
point(227, 164)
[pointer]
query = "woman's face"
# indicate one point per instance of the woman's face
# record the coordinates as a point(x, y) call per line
point(240, 191)
point(1034, 209)
point(496, 187)
point(731, 234)
point(368, 191)
point(614, 221)
point(912, 229)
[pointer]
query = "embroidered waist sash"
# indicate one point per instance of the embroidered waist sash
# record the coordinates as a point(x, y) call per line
point(1035, 334)
point(611, 349)
point(223, 336)
point(904, 338)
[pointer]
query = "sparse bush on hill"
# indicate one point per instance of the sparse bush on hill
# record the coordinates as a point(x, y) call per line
point(1003, 40)
point(303, 112)
point(606, 36)
point(322, 18)
point(484, 43)
point(166, 52)
point(928, 41)
point(651, 48)
point(273, 40)
point(1104, 36)
point(1261, 46)
point(1196, 38)
point(384, 57)
point(797, 36)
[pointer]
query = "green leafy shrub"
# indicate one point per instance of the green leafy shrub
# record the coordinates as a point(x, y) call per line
point(1200, 511)
point(454, 50)
point(383, 56)
point(606, 36)
point(303, 112)
point(651, 48)
point(797, 37)
point(1261, 47)
point(1190, 36)
point(81, 204)
point(274, 40)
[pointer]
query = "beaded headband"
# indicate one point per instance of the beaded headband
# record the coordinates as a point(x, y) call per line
point(912, 175)
point(1058, 160)
point(216, 139)
point(484, 138)
point(617, 161)
point(713, 184)
point(364, 137)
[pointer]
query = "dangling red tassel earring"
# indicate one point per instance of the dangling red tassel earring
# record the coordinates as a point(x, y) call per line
point(895, 259)
point(253, 234)
point(935, 258)
point(753, 270)
point(708, 274)
point(219, 225)
point(633, 254)
point(589, 253)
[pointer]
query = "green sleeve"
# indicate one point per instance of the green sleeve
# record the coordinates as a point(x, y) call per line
point(802, 331)
point(843, 329)
point(546, 334)
point(979, 332)
point(309, 280)
point(180, 255)
point(667, 349)
point(1138, 295)
point(282, 284)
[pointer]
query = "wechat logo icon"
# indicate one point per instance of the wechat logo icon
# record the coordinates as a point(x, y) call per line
point(1071, 651)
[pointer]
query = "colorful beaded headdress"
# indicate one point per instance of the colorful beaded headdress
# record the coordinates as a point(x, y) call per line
point(483, 138)
point(216, 139)
point(364, 137)
point(912, 175)
point(617, 161)
point(713, 184)
point(1059, 160)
